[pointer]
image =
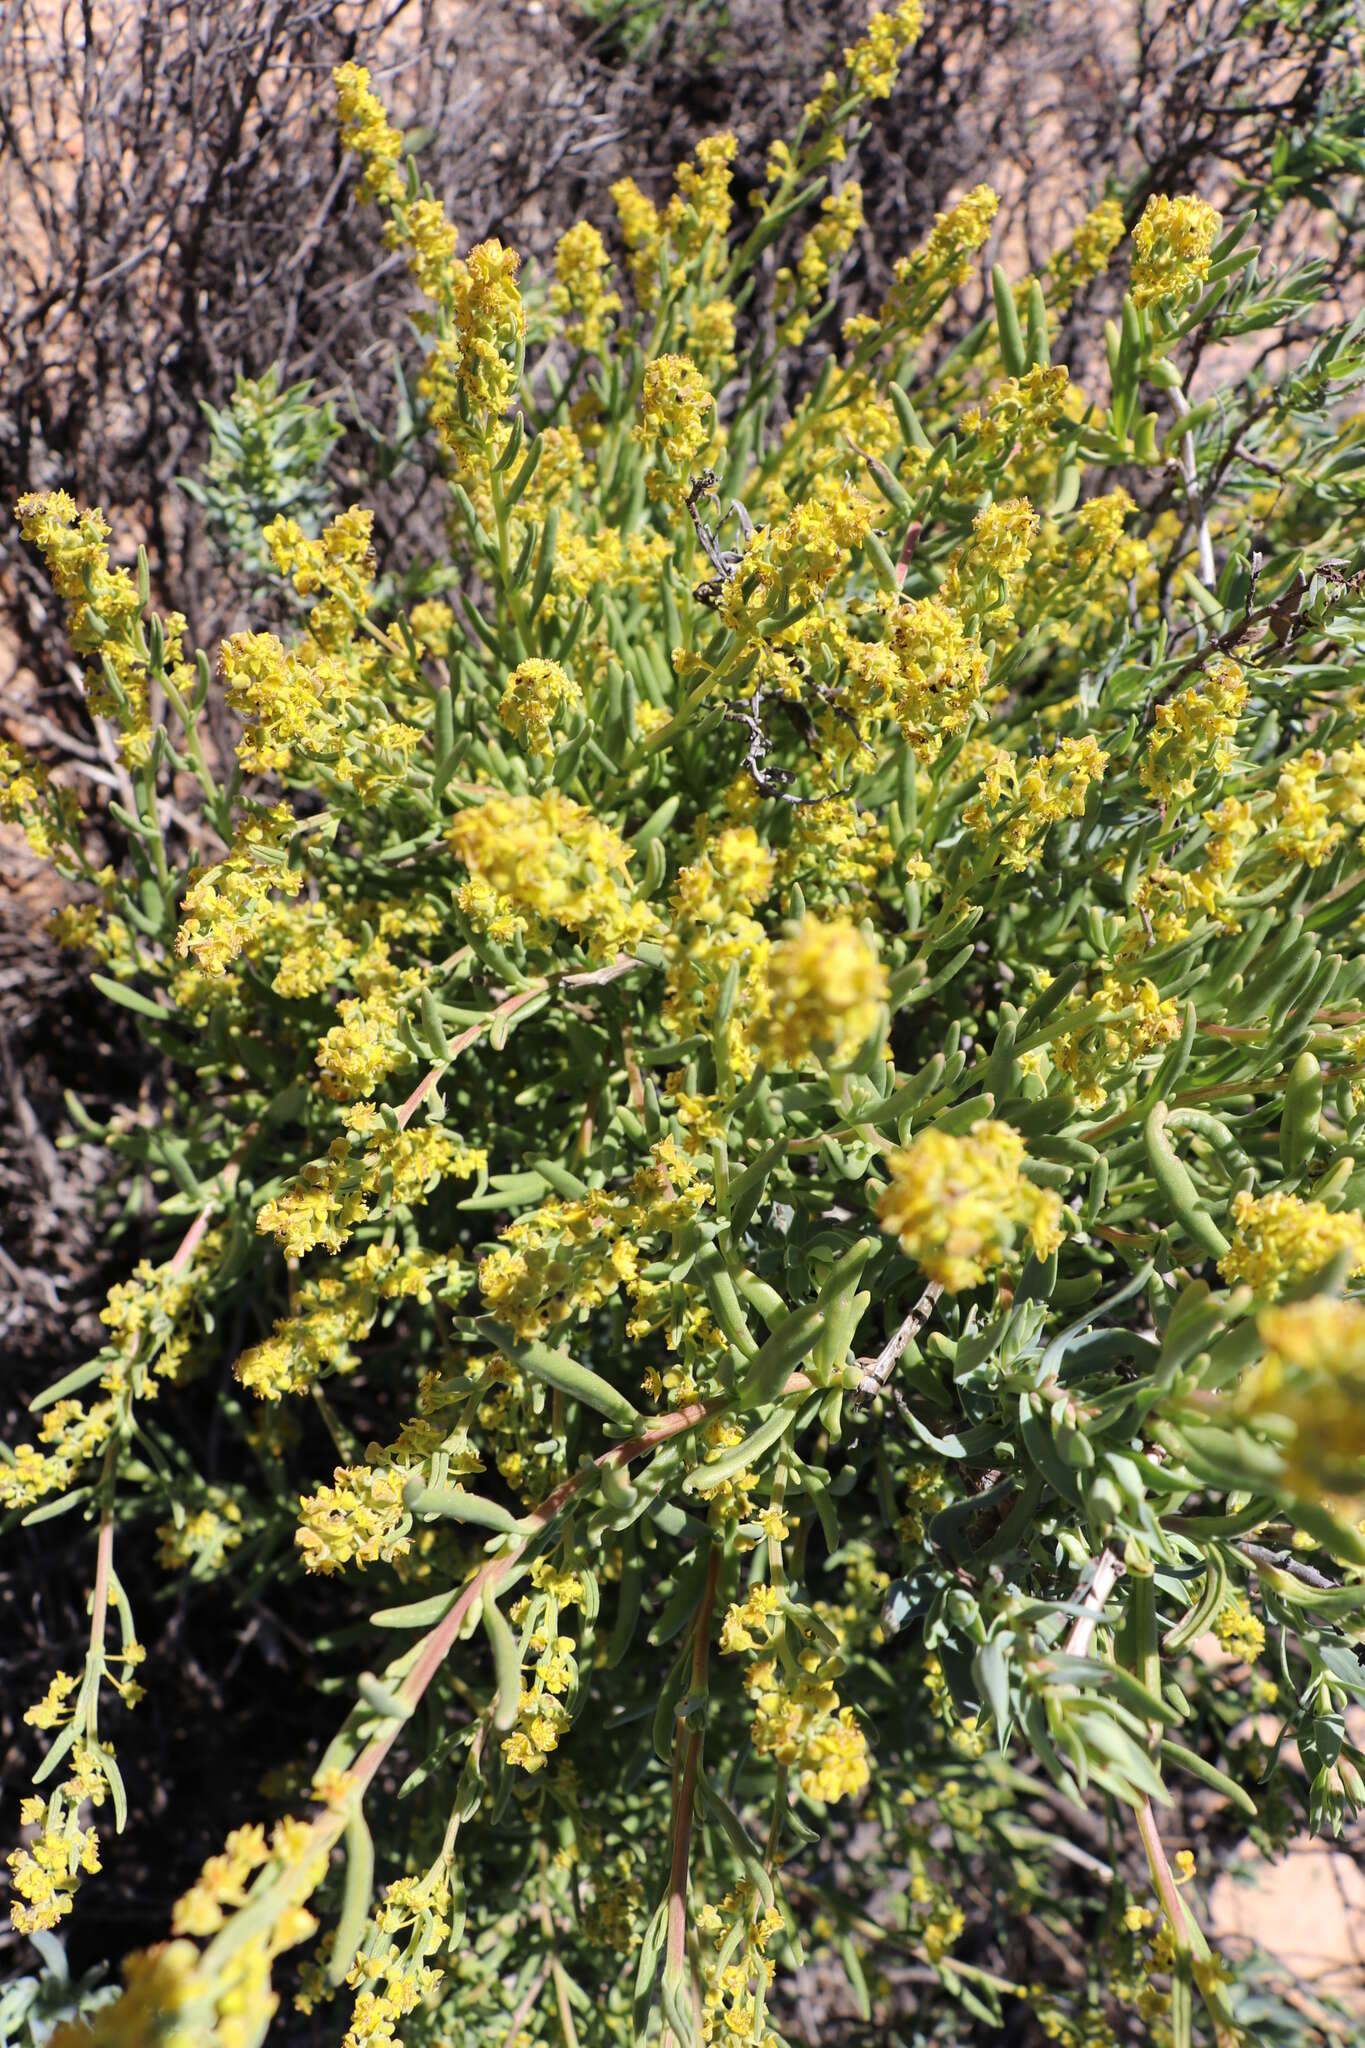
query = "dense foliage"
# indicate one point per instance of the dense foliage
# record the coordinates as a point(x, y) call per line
point(774, 1049)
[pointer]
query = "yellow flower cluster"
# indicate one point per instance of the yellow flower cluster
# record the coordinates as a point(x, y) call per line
point(471, 373)
point(390, 1984)
point(480, 321)
point(642, 233)
point(801, 1725)
point(1279, 1239)
point(104, 613)
point(549, 861)
point(1171, 895)
point(701, 208)
point(221, 1886)
point(70, 1436)
point(1172, 244)
point(1304, 829)
point(1193, 733)
point(1137, 1021)
point(1313, 1376)
point(542, 1717)
point(225, 906)
point(45, 1875)
point(200, 1542)
point(1082, 570)
point(47, 813)
point(1087, 254)
point(927, 672)
point(798, 290)
point(959, 1204)
point(54, 1707)
point(982, 578)
point(838, 854)
point(677, 417)
point(1239, 1631)
point(536, 692)
point(420, 228)
point(825, 989)
point(542, 1714)
point(580, 294)
point(1009, 427)
point(358, 1054)
point(287, 705)
point(736, 1971)
point(175, 1994)
point(330, 1196)
point(870, 65)
point(359, 1519)
point(924, 281)
point(150, 1320)
point(337, 569)
point(748, 1624)
point(574, 1253)
point(1014, 811)
point(714, 928)
point(331, 1311)
point(875, 58)
point(367, 131)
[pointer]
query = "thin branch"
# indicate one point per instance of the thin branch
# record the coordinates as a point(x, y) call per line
point(880, 1368)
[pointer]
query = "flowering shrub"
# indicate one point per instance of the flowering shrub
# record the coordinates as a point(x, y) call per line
point(791, 1013)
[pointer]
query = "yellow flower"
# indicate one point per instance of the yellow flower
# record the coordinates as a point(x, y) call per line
point(800, 1724)
point(1278, 1239)
point(747, 1624)
point(677, 413)
point(337, 569)
point(53, 1709)
point(825, 988)
point(1313, 1375)
point(104, 615)
point(221, 1883)
point(923, 281)
point(45, 1875)
point(536, 692)
point(555, 863)
point(1304, 829)
point(958, 1204)
point(1138, 1021)
point(841, 218)
point(1239, 1632)
point(642, 233)
point(1194, 731)
point(285, 702)
point(367, 131)
point(933, 676)
point(48, 814)
point(224, 908)
point(1087, 254)
point(982, 578)
point(471, 372)
point(579, 293)
point(701, 204)
point(1172, 244)
point(1052, 787)
point(870, 67)
point(359, 1519)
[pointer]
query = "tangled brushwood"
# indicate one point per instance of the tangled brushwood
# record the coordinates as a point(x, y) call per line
point(789, 1019)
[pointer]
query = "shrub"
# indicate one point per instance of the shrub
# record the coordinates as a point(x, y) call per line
point(771, 1057)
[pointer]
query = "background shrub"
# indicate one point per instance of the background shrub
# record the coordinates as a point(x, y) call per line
point(782, 983)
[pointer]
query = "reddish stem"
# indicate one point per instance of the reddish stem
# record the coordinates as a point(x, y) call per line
point(462, 1044)
point(438, 1643)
